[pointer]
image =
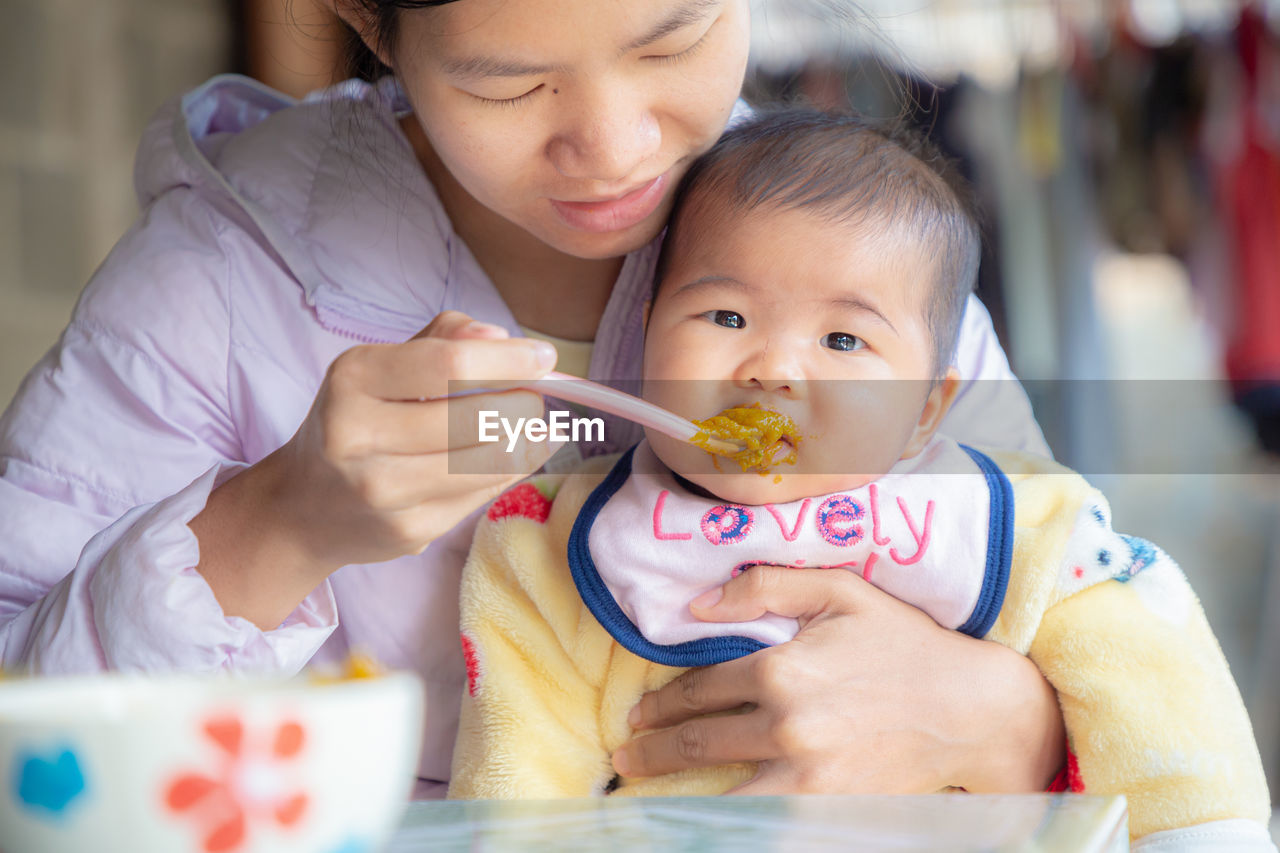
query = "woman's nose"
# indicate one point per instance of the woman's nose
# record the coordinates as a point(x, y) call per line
point(608, 137)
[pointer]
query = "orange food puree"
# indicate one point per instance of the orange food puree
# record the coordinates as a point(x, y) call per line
point(760, 429)
point(357, 666)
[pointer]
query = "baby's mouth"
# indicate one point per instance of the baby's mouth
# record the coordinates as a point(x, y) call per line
point(769, 438)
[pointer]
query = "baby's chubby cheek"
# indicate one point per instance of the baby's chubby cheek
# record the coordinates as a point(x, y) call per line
point(682, 458)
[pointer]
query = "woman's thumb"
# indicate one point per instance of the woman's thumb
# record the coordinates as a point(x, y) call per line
point(797, 593)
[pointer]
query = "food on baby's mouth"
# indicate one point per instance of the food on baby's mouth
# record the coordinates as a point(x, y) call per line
point(764, 433)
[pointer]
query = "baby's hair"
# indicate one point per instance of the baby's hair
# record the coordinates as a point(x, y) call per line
point(851, 171)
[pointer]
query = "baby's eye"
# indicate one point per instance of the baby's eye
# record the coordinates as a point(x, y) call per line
point(843, 341)
point(728, 319)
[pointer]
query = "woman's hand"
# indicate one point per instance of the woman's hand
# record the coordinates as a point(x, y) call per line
point(380, 468)
point(871, 696)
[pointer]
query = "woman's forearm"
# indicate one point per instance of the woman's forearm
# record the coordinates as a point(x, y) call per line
point(256, 569)
point(1019, 739)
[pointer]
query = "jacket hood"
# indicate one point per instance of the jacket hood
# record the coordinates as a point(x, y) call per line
point(331, 187)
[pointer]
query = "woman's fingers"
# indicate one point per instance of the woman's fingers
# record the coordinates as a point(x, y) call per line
point(452, 354)
point(433, 426)
point(393, 483)
point(431, 368)
point(702, 742)
point(456, 325)
point(696, 691)
point(802, 594)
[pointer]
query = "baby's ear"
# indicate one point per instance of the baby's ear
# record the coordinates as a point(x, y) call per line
point(935, 409)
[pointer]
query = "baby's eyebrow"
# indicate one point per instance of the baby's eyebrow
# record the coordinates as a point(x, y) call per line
point(854, 302)
point(713, 280)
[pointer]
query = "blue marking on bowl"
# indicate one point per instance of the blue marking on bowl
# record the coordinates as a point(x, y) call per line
point(47, 784)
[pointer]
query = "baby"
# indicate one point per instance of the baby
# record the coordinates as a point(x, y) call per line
point(816, 266)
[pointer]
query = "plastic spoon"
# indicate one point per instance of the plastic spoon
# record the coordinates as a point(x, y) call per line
point(634, 409)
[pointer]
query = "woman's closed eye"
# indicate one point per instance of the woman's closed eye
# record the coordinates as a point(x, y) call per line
point(681, 55)
point(843, 342)
point(728, 319)
point(508, 102)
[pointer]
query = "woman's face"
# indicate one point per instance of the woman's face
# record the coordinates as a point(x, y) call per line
point(573, 119)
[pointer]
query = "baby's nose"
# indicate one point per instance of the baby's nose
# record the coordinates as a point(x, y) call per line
point(775, 386)
point(773, 371)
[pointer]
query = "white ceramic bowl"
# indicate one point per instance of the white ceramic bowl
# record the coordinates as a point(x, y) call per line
point(173, 764)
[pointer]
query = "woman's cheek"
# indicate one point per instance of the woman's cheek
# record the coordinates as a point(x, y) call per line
point(710, 103)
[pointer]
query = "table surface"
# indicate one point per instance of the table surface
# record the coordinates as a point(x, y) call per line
point(1041, 822)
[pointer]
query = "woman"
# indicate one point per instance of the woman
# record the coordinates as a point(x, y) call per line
point(238, 446)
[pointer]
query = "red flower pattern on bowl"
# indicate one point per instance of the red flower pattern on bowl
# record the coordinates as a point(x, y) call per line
point(252, 784)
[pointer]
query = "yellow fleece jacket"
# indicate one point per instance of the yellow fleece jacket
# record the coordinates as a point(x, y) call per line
point(1150, 707)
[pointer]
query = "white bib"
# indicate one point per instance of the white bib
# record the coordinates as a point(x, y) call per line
point(936, 532)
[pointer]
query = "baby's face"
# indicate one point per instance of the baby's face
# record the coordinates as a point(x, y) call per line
point(784, 310)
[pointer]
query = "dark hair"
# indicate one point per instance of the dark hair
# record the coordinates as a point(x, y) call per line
point(357, 59)
point(847, 169)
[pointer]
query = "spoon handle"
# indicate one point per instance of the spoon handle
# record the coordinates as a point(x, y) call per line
point(624, 405)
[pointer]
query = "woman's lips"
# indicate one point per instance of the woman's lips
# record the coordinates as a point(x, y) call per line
point(616, 214)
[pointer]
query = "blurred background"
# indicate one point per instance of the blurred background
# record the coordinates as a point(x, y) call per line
point(1126, 154)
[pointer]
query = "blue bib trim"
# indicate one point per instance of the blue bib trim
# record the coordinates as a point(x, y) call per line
point(600, 601)
point(995, 579)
